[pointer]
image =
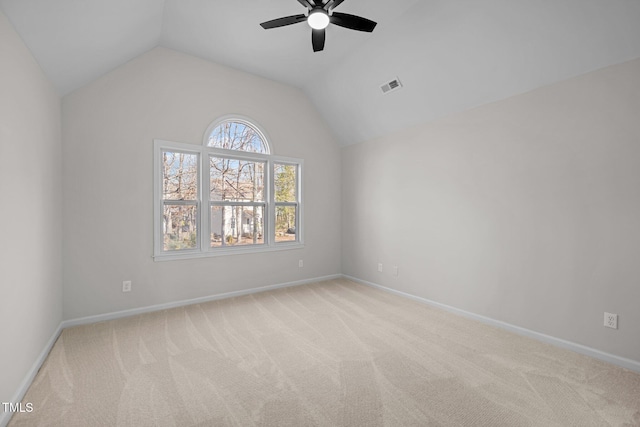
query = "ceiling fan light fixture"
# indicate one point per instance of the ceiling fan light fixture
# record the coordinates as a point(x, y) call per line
point(319, 15)
point(318, 20)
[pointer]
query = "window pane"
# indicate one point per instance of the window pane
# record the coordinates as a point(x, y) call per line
point(233, 135)
point(236, 180)
point(237, 225)
point(179, 176)
point(285, 182)
point(179, 227)
point(286, 223)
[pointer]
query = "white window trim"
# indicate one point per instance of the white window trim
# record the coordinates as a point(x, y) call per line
point(204, 249)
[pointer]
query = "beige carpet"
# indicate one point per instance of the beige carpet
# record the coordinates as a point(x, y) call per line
point(330, 354)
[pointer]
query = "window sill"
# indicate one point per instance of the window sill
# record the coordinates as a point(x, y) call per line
point(238, 250)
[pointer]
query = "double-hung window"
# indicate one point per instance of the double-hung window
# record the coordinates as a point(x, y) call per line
point(228, 196)
point(180, 199)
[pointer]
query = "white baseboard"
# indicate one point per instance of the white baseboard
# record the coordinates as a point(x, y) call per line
point(135, 311)
point(5, 417)
point(558, 342)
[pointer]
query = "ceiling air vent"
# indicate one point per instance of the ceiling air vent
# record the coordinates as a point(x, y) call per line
point(391, 86)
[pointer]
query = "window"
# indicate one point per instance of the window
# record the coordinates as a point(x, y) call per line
point(237, 134)
point(179, 200)
point(286, 200)
point(228, 196)
point(237, 201)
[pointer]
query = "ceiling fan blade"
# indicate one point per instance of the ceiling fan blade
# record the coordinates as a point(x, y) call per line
point(332, 4)
point(308, 4)
point(352, 22)
point(317, 39)
point(281, 22)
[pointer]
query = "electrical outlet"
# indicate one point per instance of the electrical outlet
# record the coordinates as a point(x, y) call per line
point(395, 270)
point(380, 267)
point(611, 320)
point(126, 286)
point(300, 263)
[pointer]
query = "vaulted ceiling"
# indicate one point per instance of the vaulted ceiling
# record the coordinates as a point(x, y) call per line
point(450, 55)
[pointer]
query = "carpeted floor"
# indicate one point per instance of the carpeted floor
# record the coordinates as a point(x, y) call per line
point(335, 353)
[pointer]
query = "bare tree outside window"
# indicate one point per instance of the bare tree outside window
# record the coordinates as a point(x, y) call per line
point(286, 198)
point(179, 195)
point(235, 135)
point(237, 187)
point(237, 200)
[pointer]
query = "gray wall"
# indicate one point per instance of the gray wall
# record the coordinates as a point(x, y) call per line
point(31, 211)
point(108, 131)
point(525, 210)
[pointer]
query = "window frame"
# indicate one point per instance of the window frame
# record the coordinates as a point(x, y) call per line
point(297, 204)
point(242, 156)
point(204, 202)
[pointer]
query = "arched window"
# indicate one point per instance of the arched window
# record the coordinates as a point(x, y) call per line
point(236, 134)
point(230, 195)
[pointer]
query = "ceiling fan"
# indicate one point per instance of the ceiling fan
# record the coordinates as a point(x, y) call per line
point(320, 15)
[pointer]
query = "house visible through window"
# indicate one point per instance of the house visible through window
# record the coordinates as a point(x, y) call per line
point(230, 195)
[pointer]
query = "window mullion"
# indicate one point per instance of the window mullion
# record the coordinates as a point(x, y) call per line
point(300, 204)
point(272, 207)
point(203, 200)
point(180, 202)
point(232, 203)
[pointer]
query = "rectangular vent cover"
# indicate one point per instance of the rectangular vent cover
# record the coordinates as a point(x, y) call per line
point(391, 86)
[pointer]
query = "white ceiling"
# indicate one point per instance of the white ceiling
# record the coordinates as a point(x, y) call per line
point(450, 55)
